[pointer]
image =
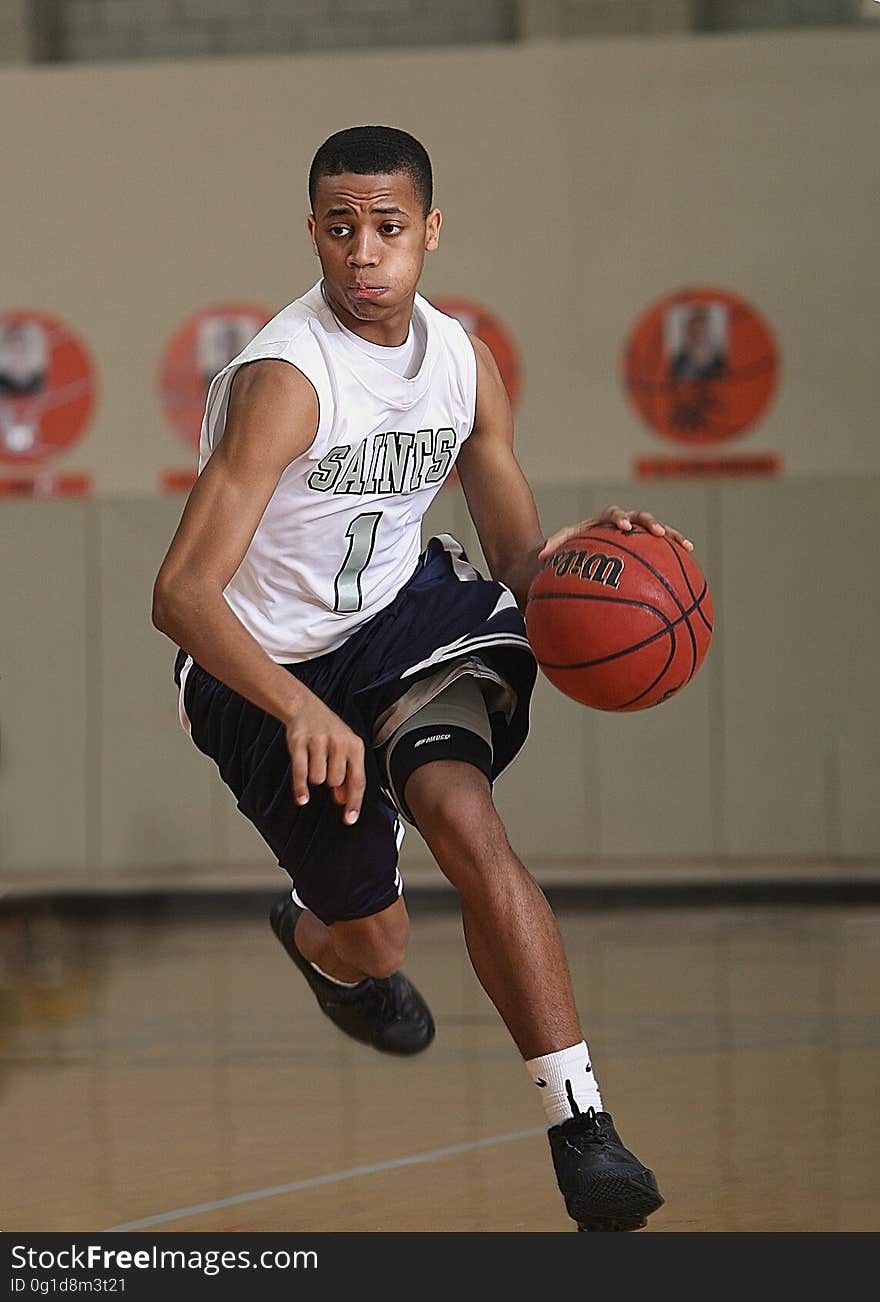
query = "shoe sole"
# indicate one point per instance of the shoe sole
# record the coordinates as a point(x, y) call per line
point(614, 1203)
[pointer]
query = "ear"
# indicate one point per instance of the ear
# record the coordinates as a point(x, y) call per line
point(433, 222)
point(310, 226)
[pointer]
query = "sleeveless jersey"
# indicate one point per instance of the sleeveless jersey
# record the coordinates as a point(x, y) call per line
point(342, 532)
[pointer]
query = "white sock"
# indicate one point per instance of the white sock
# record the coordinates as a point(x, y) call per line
point(566, 1082)
point(346, 985)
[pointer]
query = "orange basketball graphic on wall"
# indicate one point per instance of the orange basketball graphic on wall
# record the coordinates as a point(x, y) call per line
point(196, 352)
point(47, 387)
point(701, 366)
point(498, 339)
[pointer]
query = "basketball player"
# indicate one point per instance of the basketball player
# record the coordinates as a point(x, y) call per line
point(346, 681)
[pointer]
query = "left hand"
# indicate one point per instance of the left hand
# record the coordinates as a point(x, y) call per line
point(614, 517)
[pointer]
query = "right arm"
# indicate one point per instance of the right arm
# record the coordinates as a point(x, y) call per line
point(271, 419)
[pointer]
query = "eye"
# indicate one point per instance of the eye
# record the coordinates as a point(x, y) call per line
point(390, 228)
point(339, 231)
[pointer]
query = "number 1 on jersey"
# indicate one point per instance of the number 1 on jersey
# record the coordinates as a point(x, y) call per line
point(362, 535)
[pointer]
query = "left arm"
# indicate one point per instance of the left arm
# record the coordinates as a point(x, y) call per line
point(498, 496)
point(500, 501)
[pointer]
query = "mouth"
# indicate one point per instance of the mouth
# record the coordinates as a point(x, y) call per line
point(367, 291)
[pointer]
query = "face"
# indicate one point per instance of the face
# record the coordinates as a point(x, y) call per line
point(697, 329)
point(371, 236)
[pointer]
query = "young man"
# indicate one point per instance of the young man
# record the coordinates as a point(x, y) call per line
point(343, 679)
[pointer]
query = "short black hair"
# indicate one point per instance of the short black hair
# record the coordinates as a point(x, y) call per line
point(374, 151)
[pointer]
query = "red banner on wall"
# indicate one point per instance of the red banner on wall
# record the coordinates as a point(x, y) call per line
point(700, 367)
point(200, 348)
point(497, 338)
point(47, 387)
point(45, 484)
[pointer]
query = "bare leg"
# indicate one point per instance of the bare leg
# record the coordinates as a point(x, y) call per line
point(387, 1012)
point(511, 934)
point(350, 951)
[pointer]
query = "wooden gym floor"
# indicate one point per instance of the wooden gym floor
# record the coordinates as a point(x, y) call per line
point(164, 1068)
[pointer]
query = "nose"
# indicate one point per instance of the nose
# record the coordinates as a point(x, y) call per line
point(364, 251)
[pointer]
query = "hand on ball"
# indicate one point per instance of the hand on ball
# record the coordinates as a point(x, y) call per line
point(615, 517)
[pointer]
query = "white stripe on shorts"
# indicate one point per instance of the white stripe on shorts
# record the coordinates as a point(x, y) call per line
point(181, 708)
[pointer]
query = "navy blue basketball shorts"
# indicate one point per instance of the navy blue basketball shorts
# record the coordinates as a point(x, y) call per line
point(404, 683)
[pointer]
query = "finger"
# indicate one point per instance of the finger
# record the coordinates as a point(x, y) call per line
point(556, 540)
point(299, 772)
point(318, 761)
point(647, 521)
point(336, 766)
point(615, 517)
point(679, 538)
point(354, 787)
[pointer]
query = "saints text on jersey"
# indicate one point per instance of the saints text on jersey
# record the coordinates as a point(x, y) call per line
point(392, 462)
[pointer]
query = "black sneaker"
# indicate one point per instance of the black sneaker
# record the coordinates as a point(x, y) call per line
point(604, 1185)
point(387, 1012)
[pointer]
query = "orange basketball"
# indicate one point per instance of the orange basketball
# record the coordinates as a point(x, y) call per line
point(620, 621)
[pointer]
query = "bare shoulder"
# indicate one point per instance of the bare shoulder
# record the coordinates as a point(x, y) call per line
point(493, 405)
point(271, 403)
point(269, 380)
point(483, 353)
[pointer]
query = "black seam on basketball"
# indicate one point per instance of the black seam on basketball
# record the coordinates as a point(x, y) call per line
point(597, 596)
point(667, 585)
point(684, 574)
point(625, 705)
point(616, 655)
point(669, 659)
point(636, 557)
point(671, 625)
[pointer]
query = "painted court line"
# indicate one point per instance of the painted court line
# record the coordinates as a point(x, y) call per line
point(354, 1173)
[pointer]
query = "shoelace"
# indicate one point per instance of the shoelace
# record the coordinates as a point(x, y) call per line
point(593, 1132)
point(390, 998)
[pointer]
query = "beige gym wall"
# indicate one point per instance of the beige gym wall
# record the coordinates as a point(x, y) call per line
point(579, 182)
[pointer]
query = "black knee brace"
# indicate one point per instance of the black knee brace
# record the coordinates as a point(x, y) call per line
point(429, 742)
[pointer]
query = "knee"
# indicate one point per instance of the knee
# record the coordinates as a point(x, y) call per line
point(376, 945)
point(455, 813)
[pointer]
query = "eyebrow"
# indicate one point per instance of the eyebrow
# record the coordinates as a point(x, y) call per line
point(344, 209)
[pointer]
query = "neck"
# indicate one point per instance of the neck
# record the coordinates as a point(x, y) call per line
point(391, 331)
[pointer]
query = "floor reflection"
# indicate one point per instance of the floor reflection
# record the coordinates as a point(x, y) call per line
point(162, 1058)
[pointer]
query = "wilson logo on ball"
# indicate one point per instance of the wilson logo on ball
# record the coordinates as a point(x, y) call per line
point(595, 566)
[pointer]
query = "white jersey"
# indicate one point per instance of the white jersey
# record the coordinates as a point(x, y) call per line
point(342, 532)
